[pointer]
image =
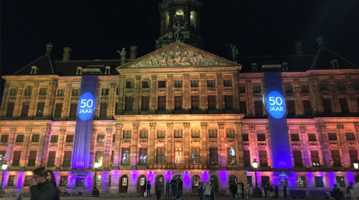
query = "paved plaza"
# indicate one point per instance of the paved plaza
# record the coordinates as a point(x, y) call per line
point(143, 198)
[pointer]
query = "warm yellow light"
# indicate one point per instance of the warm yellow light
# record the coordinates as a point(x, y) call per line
point(179, 12)
point(356, 165)
point(255, 164)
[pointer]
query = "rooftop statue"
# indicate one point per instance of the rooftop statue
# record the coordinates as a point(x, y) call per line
point(123, 55)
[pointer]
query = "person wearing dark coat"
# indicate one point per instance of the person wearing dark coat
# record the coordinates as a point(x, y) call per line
point(148, 188)
point(200, 189)
point(285, 192)
point(233, 190)
point(276, 192)
point(350, 189)
point(51, 177)
point(242, 184)
point(265, 191)
point(168, 188)
point(336, 192)
point(214, 188)
point(179, 189)
point(174, 187)
point(158, 189)
point(40, 187)
point(271, 191)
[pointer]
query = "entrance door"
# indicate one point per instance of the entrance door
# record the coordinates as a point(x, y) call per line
point(123, 184)
point(141, 184)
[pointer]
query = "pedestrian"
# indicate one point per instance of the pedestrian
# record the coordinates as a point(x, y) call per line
point(179, 189)
point(214, 189)
point(174, 187)
point(355, 192)
point(158, 189)
point(271, 191)
point(336, 192)
point(207, 190)
point(285, 191)
point(40, 187)
point(168, 188)
point(200, 190)
point(51, 177)
point(265, 191)
point(233, 189)
point(350, 189)
point(239, 190)
point(148, 189)
point(242, 184)
point(276, 192)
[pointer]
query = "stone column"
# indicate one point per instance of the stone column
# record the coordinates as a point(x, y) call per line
point(151, 147)
point(117, 144)
point(60, 149)
point(121, 94)
point(134, 145)
point(153, 100)
point(112, 101)
point(343, 146)
point(4, 100)
point(50, 99)
point(44, 143)
point(220, 91)
point(249, 97)
point(170, 157)
point(137, 97)
point(185, 91)
point(93, 148)
point(334, 97)
point(204, 151)
point(324, 145)
point(203, 93)
point(239, 144)
point(10, 144)
point(34, 99)
point(19, 97)
point(253, 143)
point(25, 147)
point(187, 142)
point(305, 146)
point(222, 149)
point(299, 107)
point(315, 95)
point(107, 152)
point(236, 90)
point(169, 97)
point(67, 98)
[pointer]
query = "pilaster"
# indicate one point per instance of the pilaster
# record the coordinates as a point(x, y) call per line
point(204, 150)
point(60, 149)
point(44, 143)
point(136, 104)
point(112, 101)
point(315, 95)
point(107, 152)
point(249, 97)
point(121, 94)
point(324, 144)
point(220, 91)
point(34, 99)
point(343, 145)
point(239, 144)
point(236, 90)
point(153, 100)
point(117, 145)
point(187, 142)
point(169, 98)
point(10, 145)
point(298, 98)
point(170, 157)
point(19, 97)
point(134, 145)
point(185, 91)
point(305, 146)
point(67, 101)
point(4, 99)
point(151, 148)
point(203, 95)
point(25, 147)
point(222, 149)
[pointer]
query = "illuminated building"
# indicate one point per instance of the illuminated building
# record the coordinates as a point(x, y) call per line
point(181, 111)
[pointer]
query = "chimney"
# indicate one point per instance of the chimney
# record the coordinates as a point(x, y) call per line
point(298, 48)
point(49, 48)
point(133, 52)
point(67, 51)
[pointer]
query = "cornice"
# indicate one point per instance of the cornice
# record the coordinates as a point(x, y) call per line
point(179, 68)
point(179, 117)
point(250, 75)
point(31, 77)
point(25, 122)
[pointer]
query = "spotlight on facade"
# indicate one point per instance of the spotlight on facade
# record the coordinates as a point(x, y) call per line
point(257, 193)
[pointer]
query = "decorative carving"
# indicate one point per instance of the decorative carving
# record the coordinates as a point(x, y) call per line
point(169, 125)
point(28, 130)
point(36, 84)
point(160, 141)
point(186, 125)
point(169, 76)
point(185, 76)
point(12, 130)
point(204, 124)
point(62, 130)
point(138, 77)
point(252, 129)
point(238, 125)
point(119, 126)
point(302, 129)
point(221, 125)
point(356, 127)
point(248, 82)
point(109, 130)
point(113, 85)
point(94, 129)
point(268, 129)
point(296, 81)
point(202, 75)
point(153, 126)
point(154, 77)
point(320, 127)
point(135, 125)
point(340, 126)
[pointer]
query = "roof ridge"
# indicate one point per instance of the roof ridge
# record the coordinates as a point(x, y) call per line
point(30, 63)
point(341, 57)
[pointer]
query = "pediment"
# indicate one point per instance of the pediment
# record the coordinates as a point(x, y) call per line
point(178, 54)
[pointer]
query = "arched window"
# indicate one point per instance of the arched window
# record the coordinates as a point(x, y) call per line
point(193, 18)
point(34, 70)
point(79, 71)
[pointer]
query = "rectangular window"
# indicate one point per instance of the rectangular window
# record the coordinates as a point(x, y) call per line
point(195, 134)
point(162, 103)
point(25, 109)
point(60, 93)
point(332, 136)
point(178, 102)
point(32, 158)
point(105, 92)
point(242, 89)
point(341, 86)
point(70, 138)
point(51, 159)
point(211, 83)
point(143, 156)
point(336, 158)
point(54, 138)
point(312, 137)
point(12, 180)
point(327, 106)
point(323, 87)
point(145, 103)
point(178, 84)
point(194, 83)
point(144, 134)
point(103, 109)
point(145, 84)
point(126, 134)
point(340, 181)
point(58, 110)
point(129, 104)
point(13, 92)
point(350, 136)
point(294, 137)
point(112, 158)
point(80, 182)
point(125, 156)
point(228, 102)
point(243, 107)
point(160, 157)
point(67, 159)
point(257, 89)
point(28, 91)
point(194, 102)
point(40, 109)
point(75, 92)
point(344, 105)
point(27, 180)
point(10, 109)
point(353, 154)
point(315, 158)
point(63, 181)
point(35, 138)
point(227, 83)
point(195, 155)
point(161, 84)
point(161, 133)
point(356, 86)
point(258, 108)
point(307, 107)
point(4, 138)
point(129, 84)
point(114, 138)
point(247, 158)
point(101, 138)
point(261, 137)
point(212, 133)
point(245, 138)
point(178, 155)
point(297, 155)
point(265, 180)
point(231, 155)
point(99, 157)
point(288, 89)
point(20, 138)
point(213, 155)
point(42, 91)
point(211, 102)
point(73, 109)
point(263, 158)
point(305, 88)
point(291, 107)
point(178, 133)
point(249, 181)
point(230, 133)
point(301, 182)
point(282, 182)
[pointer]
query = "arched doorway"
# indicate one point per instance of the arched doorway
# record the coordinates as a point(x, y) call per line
point(162, 179)
point(214, 181)
point(232, 183)
point(232, 180)
point(141, 183)
point(195, 183)
point(123, 184)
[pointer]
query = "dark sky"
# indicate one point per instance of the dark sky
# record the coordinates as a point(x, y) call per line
point(96, 29)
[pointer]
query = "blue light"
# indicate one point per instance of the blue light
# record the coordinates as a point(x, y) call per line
point(86, 106)
point(275, 104)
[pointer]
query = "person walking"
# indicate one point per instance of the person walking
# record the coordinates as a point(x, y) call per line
point(168, 188)
point(174, 187)
point(179, 189)
point(276, 192)
point(214, 189)
point(200, 189)
point(239, 190)
point(350, 189)
point(207, 190)
point(51, 177)
point(265, 191)
point(148, 189)
point(158, 189)
point(285, 191)
point(271, 190)
point(336, 192)
point(40, 187)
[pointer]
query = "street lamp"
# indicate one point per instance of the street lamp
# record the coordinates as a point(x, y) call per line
point(95, 192)
point(356, 166)
point(257, 193)
point(4, 166)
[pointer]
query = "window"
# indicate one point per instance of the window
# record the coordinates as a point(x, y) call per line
point(125, 156)
point(101, 138)
point(25, 109)
point(307, 107)
point(162, 103)
point(213, 155)
point(112, 158)
point(4, 138)
point(144, 134)
point(305, 88)
point(265, 180)
point(160, 158)
point(117, 91)
point(103, 109)
point(99, 157)
point(288, 89)
point(231, 155)
point(227, 83)
point(10, 109)
point(73, 109)
point(35, 138)
point(178, 102)
point(257, 89)
point(243, 107)
point(28, 91)
point(350, 136)
point(20, 138)
point(230, 133)
point(40, 109)
point(291, 107)
point(145, 84)
point(263, 158)
point(42, 91)
point(63, 181)
point(129, 84)
point(323, 86)
point(80, 182)
point(178, 155)
point(126, 134)
point(356, 86)
point(247, 158)
point(315, 158)
point(114, 138)
point(294, 137)
point(129, 104)
point(143, 156)
point(16, 159)
point(75, 92)
point(27, 180)
point(261, 137)
point(161, 84)
point(145, 103)
point(12, 180)
point(336, 158)
point(54, 138)
point(341, 86)
point(327, 106)
point(242, 89)
point(228, 102)
point(297, 155)
point(344, 105)
point(211, 102)
point(282, 182)
point(178, 133)
point(13, 92)
point(340, 181)
point(70, 138)
point(353, 154)
point(211, 83)
point(312, 137)
point(194, 83)
point(161, 133)
point(32, 158)
point(212, 133)
point(301, 182)
point(332, 136)
point(258, 108)
point(67, 159)
point(194, 102)
point(249, 181)
point(51, 159)
point(195, 133)
point(178, 84)
point(105, 92)
point(245, 138)
point(195, 155)
point(58, 110)
point(60, 93)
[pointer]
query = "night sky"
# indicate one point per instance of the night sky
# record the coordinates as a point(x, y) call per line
point(97, 29)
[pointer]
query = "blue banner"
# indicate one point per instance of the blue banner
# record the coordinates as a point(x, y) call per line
point(84, 123)
point(281, 154)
